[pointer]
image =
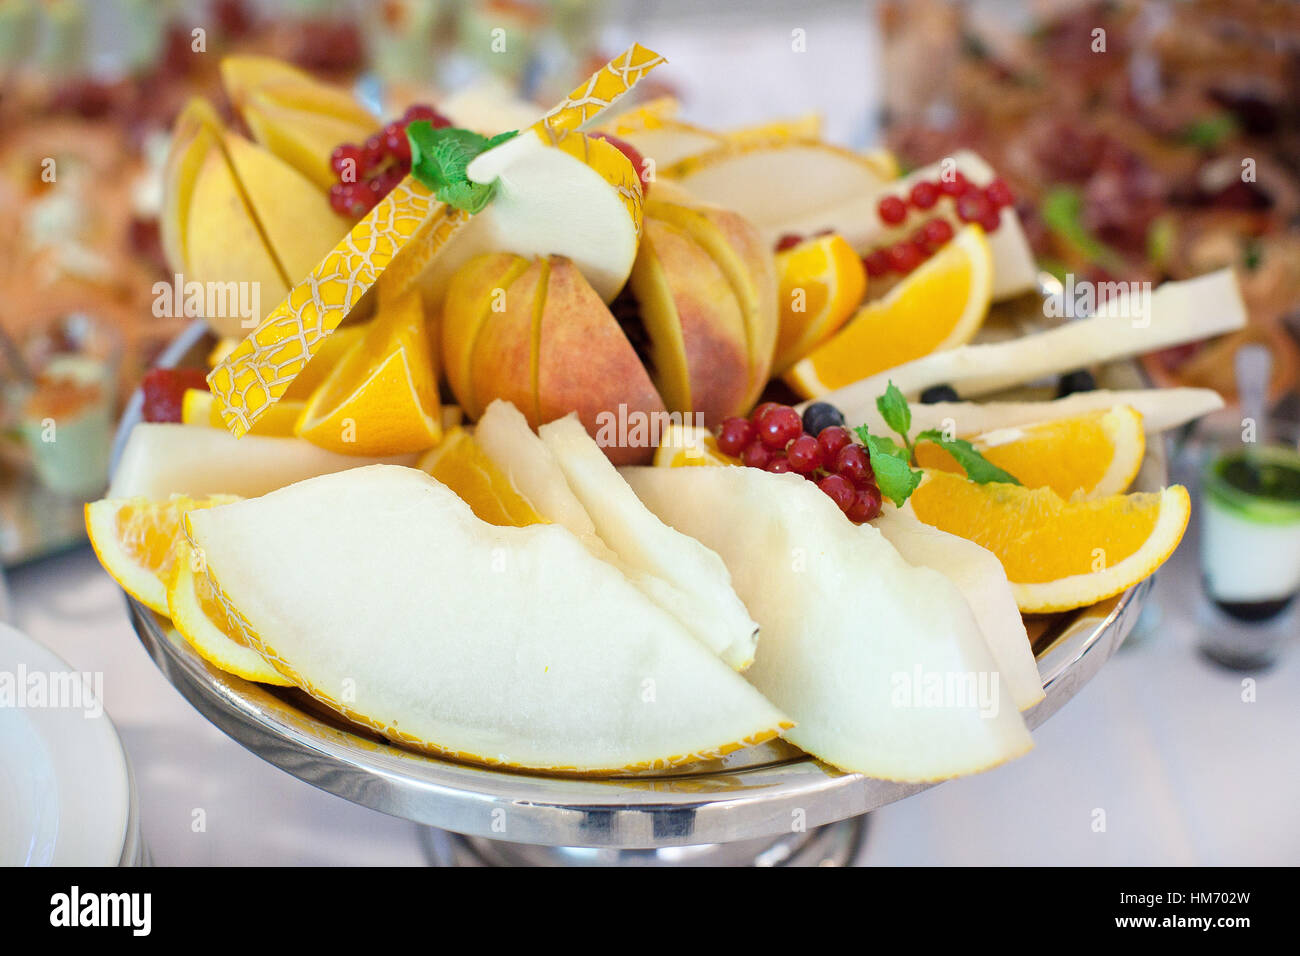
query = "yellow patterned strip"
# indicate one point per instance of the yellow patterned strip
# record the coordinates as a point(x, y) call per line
point(605, 87)
point(257, 372)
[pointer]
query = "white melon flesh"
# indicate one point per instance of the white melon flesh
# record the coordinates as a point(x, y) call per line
point(547, 203)
point(505, 436)
point(881, 664)
point(1160, 408)
point(980, 577)
point(772, 184)
point(1177, 312)
point(670, 142)
point(380, 593)
point(163, 459)
point(679, 572)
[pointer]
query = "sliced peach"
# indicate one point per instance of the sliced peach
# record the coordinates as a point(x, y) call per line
point(586, 364)
point(700, 347)
point(503, 363)
point(479, 286)
point(748, 264)
point(302, 139)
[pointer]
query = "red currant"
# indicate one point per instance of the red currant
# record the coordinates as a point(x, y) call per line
point(778, 464)
point(866, 504)
point(876, 264)
point(832, 439)
point(373, 154)
point(954, 186)
point(755, 455)
point(421, 111)
point(349, 199)
point(346, 162)
point(851, 464)
point(779, 426)
point(734, 435)
point(762, 410)
point(788, 240)
point(840, 490)
point(972, 207)
point(805, 454)
point(905, 256)
point(396, 143)
point(937, 232)
point(892, 210)
point(999, 194)
point(924, 195)
point(990, 221)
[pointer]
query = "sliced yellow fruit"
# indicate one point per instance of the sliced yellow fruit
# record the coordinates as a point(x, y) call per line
point(686, 445)
point(602, 90)
point(1090, 455)
point(405, 231)
point(198, 407)
point(322, 363)
point(382, 396)
point(134, 537)
point(808, 126)
point(938, 307)
point(822, 282)
point(260, 369)
point(200, 619)
point(461, 465)
point(1058, 554)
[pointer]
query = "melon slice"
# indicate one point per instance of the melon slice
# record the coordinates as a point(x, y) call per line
point(1160, 408)
point(163, 459)
point(379, 593)
point(682, 574)
point(1177, 312)
point(979, 576)
point(881, 664)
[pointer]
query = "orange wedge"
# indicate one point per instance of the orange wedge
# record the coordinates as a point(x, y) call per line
point(199, 407)
point(200, 619)
point(1090, 455)
point(134, 540)
point(382, 396)
point(685, 445)
point(1058, 554)
point(461, 465)
point(822, 281)
point(939, 306)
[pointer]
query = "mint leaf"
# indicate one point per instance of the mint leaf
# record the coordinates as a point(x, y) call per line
point(894, 410)
point(440, 158)
point(892, 466)
point(977, 467)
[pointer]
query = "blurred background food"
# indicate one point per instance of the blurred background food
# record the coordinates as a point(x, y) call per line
point(1143, 141)
point(1124, 150)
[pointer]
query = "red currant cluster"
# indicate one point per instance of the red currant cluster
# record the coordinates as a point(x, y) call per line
point(367, 173)
point(773, 439)
point(972, 204)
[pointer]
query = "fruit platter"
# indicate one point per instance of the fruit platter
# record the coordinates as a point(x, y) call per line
point(586, 485)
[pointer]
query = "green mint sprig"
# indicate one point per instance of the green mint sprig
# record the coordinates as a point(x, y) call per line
point(440, 158)
point(893, 463)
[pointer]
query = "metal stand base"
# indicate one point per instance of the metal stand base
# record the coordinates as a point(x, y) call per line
point(836, 844)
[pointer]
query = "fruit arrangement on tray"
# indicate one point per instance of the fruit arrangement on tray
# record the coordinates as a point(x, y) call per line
point(507, 468)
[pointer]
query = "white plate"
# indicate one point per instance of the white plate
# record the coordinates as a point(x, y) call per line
point(65, 791)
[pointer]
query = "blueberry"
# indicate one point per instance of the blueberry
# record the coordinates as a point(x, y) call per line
point(1080, 380)
point(821, 415)
point(939, 393)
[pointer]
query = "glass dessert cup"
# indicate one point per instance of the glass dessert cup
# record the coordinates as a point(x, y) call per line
point(765, 805)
